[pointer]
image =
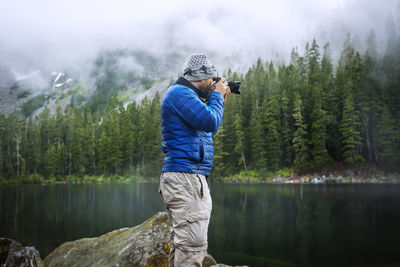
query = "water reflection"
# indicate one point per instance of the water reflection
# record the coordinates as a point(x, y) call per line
point(258, 225)
point(46, 216)
point(308, 225)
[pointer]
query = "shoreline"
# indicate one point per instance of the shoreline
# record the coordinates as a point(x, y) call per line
point(316, 179)
point(284, 176)
point(312, 182)
point(232, 181)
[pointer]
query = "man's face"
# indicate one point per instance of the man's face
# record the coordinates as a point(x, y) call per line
point(205, 85)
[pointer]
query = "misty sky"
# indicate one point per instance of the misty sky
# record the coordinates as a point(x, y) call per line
point(55, 34)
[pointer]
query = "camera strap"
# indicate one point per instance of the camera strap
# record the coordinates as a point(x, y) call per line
point(202, 95)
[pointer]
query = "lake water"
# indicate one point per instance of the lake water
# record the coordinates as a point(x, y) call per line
point(257, 225)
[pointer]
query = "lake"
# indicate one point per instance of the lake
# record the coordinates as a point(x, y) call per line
point(253, 224)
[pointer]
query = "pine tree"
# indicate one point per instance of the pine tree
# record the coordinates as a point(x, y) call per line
point(272, 137)
point(156, 155)
point(388, 142)
point(260, 80)
point(390, 67)
point(91, 137)
point(317, 117)
point(327, 77)
point(18, 129)
point(2, 145)
point(219, 153)
point(231, 111)
point(239, 147)
point(59, 142)
point(69, 136)
point(319, 135)
point(110, 143)
point(258, 160)
point(370, 101)
point(103, 150)
point(149, 137)
point(331, 102)
point(286, 96)
point(115, 144)
point(314, 76)
point(129, 121)
point(351, 139)
point(45, 140)
point(247, 104)
point(300, 143)
point(52, 161)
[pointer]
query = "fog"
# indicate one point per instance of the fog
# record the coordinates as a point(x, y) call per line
point(57, 35)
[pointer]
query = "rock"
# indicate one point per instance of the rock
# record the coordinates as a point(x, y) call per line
point(315, 181)
point(147, 244)
point(13, 254)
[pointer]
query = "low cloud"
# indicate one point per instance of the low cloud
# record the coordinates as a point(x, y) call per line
point(55, 35)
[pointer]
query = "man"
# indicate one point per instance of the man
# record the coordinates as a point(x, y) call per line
point(188, 125)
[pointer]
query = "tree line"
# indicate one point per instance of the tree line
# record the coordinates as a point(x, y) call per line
point(121, 141)
point(305, 115)
point(311, 114)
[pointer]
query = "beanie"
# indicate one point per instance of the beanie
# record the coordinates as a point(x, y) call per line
point(198, 67)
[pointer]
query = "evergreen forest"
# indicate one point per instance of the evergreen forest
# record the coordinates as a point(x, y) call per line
point(308, 115)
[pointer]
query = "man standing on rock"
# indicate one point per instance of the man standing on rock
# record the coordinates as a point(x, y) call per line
point(188, 125)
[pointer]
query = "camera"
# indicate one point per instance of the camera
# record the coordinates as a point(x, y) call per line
point(234, 86)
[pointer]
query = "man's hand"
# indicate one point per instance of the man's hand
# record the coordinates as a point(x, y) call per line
point(223, 88)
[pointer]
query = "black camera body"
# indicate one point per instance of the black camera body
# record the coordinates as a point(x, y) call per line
point(234, 86)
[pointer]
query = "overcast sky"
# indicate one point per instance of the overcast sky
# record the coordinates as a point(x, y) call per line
point(60, 33)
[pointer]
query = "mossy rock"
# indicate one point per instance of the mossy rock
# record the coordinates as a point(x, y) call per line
point(147, 244)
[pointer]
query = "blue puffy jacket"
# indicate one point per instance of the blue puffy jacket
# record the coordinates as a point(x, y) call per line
point(187, 126)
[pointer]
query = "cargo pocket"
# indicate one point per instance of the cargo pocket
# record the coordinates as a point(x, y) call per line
point(179, 224)
point(197, 227)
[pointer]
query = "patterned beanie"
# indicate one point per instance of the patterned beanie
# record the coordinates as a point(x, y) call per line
point(199, 68)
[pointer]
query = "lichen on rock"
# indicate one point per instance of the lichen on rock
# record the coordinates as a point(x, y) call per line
point(147, 244)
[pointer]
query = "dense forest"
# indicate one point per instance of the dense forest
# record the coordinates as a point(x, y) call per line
point(304, 116)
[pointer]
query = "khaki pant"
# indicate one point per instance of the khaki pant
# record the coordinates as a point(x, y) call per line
point(188, 203)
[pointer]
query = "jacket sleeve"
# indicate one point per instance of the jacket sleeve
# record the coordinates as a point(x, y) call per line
point(193, 111)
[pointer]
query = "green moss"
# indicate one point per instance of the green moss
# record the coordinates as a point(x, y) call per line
point(167, 247)
point(157, 260)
